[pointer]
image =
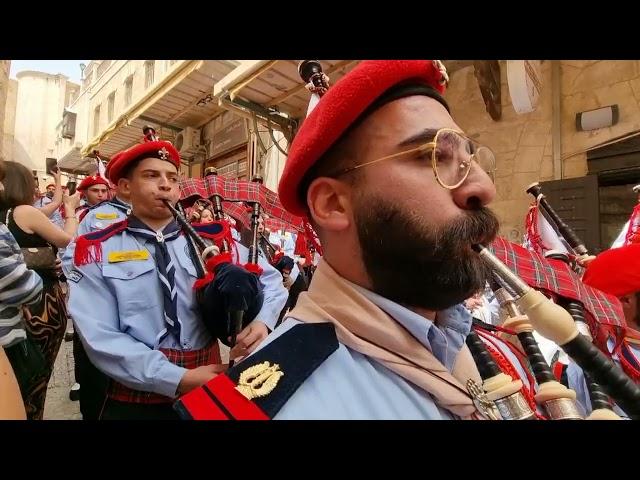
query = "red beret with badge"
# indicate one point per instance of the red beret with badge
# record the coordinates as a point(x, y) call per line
point(150, 147)
point(91, 181)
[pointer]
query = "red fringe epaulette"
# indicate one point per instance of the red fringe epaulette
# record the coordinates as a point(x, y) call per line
point(89, 247)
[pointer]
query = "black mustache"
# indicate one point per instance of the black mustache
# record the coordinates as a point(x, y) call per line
point(477, 226)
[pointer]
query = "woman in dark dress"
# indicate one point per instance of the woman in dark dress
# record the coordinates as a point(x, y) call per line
point(46, 320)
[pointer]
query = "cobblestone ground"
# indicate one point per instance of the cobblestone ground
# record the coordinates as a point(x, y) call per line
point(58, 406)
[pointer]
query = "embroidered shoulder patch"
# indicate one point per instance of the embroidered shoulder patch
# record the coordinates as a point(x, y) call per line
point(75, 276)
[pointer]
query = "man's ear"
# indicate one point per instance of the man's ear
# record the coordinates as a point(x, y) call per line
point(124, 184)
point(329, 203)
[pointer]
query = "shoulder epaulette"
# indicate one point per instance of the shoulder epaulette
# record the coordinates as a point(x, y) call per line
point(258, 387)
point(89, 246)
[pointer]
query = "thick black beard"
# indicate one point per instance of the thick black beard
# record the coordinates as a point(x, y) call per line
point(419, 265)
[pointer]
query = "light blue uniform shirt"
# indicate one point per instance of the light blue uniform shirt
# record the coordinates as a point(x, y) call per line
point(118, 311)
point(350, 385)
point(91, 221)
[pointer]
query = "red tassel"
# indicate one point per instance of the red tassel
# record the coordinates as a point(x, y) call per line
point(253, 268)
point(301, 245)
point(87, 251)
point(203, 282)
point(213, 262)
point(557, 370)
point(312, 237)
point(531, 226)
point(632, 232)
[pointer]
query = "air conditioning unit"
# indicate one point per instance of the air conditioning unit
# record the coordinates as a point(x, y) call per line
point(187, 142)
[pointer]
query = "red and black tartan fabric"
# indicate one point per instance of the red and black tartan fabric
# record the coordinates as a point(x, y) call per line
point(274, 224)
point(268, 200)
point(232, 190)
point(555, 277)
point(191, 189)
point(188, 359)
point(215, 185)
point(238, 212)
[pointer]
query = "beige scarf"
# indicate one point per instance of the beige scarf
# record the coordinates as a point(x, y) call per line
point(364, 327)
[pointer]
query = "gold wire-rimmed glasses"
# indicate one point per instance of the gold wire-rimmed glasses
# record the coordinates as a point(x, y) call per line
point(452, 154)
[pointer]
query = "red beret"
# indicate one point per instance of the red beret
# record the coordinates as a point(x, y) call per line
point(340, 107)
point(615, 271)
point(91, 181)
point(156, 149)
point(50, 185)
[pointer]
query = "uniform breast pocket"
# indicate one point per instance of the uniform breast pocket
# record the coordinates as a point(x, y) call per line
point(136, 285)
point(184, 260)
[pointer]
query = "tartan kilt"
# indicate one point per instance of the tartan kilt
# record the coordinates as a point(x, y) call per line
point(187, 359)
